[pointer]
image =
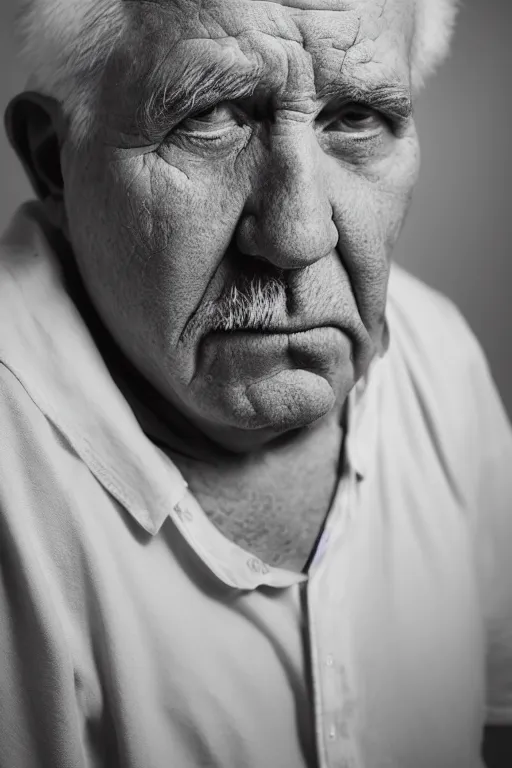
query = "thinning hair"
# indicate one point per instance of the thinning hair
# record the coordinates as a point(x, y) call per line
point(66, 44)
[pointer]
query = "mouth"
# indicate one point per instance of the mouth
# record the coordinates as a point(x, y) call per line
point(272, 308)
point(278, 330)
point(319, 349)
point(276, 378)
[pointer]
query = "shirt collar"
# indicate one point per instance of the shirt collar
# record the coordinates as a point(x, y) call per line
point(49, 349)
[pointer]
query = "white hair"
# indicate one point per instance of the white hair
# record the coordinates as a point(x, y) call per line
point(433, 28)
point(66, 44)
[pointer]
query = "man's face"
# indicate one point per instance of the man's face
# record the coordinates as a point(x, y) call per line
point(234, 213)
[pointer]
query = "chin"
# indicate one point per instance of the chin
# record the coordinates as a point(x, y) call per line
point(242, 417)
point(290, 399)
point(252, 387)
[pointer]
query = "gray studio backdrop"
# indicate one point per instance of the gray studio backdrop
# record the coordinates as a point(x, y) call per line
point(458, 234)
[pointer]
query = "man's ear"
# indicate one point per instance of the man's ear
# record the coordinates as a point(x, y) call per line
point(34, 125)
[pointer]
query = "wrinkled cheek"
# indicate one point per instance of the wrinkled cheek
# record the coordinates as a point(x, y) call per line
point(361, 248)
point(147, 210)
point(151, 232)
point(122, 239)
point(182, 218)
point(369, 222)
point(148, 202)
point(393, 196)
point(158, 236)
point(395, 208)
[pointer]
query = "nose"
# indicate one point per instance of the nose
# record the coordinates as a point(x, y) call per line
point(288, 220)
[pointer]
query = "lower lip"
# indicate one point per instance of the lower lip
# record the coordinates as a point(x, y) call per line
point(258, 353)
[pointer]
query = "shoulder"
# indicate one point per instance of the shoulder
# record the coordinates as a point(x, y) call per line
point(430, 337)
point(425, 321)
point(39, 471)
point(438, 380)
point(23, 424)
point(30, 453)
point(446, 392)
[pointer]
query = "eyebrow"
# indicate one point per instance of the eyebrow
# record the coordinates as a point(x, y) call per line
point(195, 89)
point(198, 88)
point(393, 100)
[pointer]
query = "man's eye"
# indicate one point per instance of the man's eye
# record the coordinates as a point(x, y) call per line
point(356, 119)
point(219, 128)
point(217, 117)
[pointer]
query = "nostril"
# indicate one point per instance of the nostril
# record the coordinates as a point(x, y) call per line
point(247, 267)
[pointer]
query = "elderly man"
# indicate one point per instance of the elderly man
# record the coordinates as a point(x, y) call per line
point(255, 497)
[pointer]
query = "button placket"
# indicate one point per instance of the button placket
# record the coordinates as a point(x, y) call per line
point(330, 659)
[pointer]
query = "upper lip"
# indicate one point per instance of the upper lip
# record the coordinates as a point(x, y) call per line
point(284, 329)
point(347, 322)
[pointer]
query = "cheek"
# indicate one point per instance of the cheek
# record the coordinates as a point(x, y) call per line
point(392, 190)
point(185, 220)
point(369, 211)
point(154, 234)
point(394, 199)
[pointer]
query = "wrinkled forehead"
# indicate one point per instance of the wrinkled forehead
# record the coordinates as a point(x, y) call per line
point(392, 11)
point(313, 23)
point(294, 45)
point(306, 17)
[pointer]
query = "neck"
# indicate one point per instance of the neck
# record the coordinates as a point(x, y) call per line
point(272, 502)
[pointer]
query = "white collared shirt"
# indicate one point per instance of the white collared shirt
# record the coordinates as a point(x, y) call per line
point(133, 634)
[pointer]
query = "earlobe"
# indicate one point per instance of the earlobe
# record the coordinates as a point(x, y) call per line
point(32, 124)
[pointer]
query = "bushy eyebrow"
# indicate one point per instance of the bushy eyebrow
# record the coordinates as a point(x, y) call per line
point(394, 100)
point(197, 88)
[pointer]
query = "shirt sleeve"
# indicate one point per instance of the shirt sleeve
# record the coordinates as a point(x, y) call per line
point(39, 722)
point(493, 535)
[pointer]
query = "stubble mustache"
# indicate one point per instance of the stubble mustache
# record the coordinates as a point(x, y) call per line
point(255, 300)
point(252, 303)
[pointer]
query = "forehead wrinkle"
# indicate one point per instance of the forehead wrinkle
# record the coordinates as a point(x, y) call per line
point(198, 70)
point(304, 5)
point(288, 41)
point(336, 29)
point(323, 38)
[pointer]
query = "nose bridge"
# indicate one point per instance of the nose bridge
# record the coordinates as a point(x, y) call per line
point(294, 216)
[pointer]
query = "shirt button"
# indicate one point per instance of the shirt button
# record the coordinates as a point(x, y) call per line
point(331, 733)
point(329, 660)
point(256, 565)
point(183, 513)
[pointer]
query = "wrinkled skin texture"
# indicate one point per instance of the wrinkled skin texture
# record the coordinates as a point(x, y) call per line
point(165, 207)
